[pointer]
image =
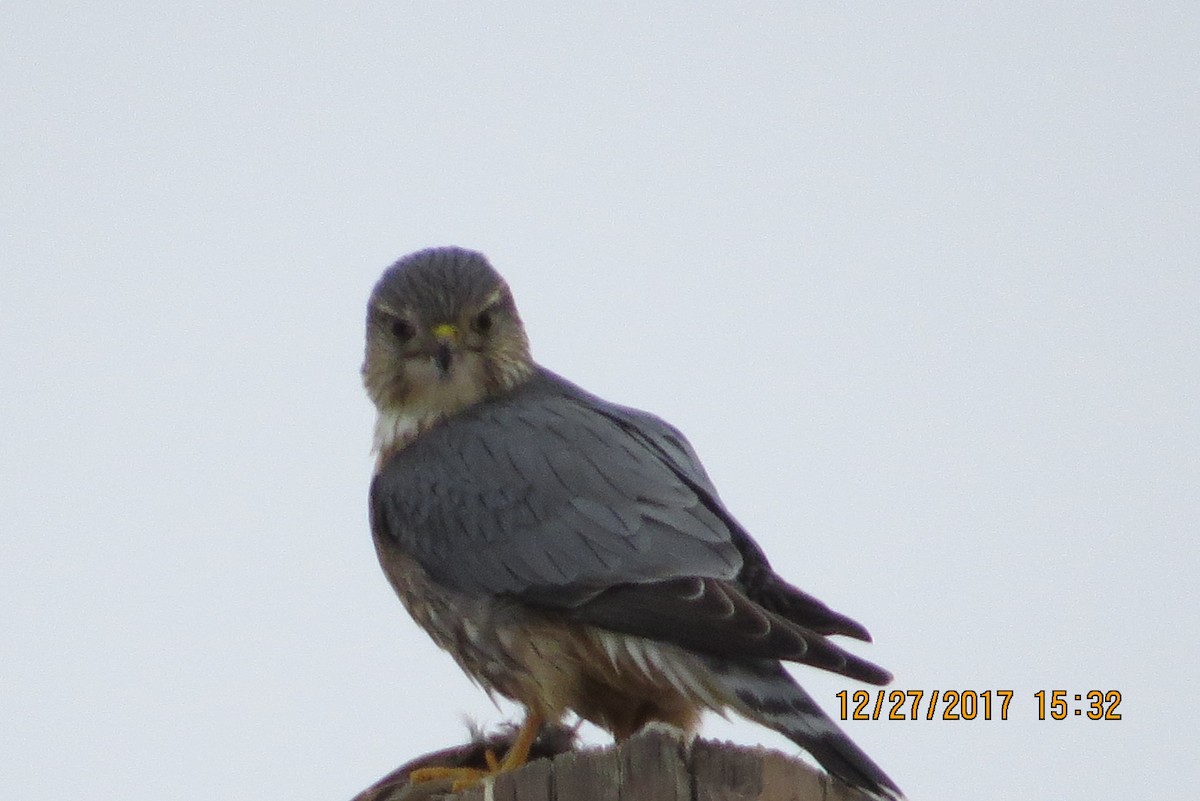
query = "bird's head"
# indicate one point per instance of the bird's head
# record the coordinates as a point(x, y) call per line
point(442, 334)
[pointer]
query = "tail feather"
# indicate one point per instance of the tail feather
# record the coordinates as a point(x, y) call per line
point(765, 692)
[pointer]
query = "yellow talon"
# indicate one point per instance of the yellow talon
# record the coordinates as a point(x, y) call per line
point(465, 778)
point(457, 775)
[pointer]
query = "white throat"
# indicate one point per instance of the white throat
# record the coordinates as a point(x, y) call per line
point(434, 398)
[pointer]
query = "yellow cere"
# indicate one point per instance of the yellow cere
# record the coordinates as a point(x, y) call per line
point(445, 331)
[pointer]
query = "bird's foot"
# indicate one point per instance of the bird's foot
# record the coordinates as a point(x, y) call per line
point(465, 778)
point(460, 778)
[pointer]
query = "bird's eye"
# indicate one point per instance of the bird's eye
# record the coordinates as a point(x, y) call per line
point(483, 321)
point(403, 330)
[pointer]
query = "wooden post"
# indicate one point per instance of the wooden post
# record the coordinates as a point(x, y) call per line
point(652, 766)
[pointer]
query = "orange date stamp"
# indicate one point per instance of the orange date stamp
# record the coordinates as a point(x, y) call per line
point(973, 704)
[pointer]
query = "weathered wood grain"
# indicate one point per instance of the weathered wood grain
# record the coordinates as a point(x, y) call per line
point(652, 766)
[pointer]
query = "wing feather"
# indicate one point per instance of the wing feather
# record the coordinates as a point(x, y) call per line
point(604, 514)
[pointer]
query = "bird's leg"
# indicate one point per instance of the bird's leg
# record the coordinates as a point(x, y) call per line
point(463, 777)
point(518, 752)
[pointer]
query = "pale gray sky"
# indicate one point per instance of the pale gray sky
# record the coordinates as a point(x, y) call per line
point(920, 283)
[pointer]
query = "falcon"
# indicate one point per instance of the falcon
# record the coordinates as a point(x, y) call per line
point(572, 554)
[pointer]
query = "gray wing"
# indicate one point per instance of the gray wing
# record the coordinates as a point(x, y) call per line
point(756, 578)
point(538, 492)
point(559, 500)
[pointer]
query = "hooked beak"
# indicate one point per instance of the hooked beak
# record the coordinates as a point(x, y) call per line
point(446, 335)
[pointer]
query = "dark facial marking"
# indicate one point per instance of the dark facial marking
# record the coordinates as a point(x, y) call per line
point(403, 330)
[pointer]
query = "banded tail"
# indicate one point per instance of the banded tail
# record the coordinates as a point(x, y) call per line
point(763, 691)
